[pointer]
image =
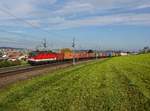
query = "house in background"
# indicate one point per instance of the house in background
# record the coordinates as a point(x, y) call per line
point(123, 53)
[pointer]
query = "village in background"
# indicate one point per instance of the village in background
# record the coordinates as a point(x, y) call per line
point(18, 56)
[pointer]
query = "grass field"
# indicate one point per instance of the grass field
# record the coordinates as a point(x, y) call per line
point(115, 84)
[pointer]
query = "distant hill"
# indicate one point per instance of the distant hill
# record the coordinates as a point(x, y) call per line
point(12, 48)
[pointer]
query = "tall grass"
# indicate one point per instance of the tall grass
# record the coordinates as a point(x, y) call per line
point(116, 84)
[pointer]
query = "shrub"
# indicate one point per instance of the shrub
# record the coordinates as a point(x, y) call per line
point(6, 63)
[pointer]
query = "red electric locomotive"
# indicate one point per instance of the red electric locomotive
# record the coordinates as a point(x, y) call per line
point(41, 57)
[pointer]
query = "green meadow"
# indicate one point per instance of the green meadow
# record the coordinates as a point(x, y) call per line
point(113, 84)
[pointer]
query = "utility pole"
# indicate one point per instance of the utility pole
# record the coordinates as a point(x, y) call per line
point(73, 46)
point(96, 52)
point(45, 44)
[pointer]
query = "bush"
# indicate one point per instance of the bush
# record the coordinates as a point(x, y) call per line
point(5, 63)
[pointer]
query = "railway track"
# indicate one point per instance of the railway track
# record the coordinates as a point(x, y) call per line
point(21, 69)
point(4, 72)
point(14, 74)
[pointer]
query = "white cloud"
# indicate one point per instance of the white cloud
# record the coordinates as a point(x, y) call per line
point(52, 15)
point(23, 8)
point(39, 13)
point(34, 23)
point(143, 6)
point(98, 6)
point(74, 7)
point(17, 7)
point(120, 19)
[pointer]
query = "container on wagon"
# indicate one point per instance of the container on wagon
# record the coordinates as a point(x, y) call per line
point(68, 55)
point(100, 54)
point(104, 54)
point(77, 55)
point(83, 55)
point(92, 55)
point(60, 56)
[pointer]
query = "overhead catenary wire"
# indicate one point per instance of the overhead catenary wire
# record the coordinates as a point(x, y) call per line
point(22, 34)
point(21, 19)
point(18, 35)
point(29, 23)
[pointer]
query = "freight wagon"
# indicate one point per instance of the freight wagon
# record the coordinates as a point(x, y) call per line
point(44, 57)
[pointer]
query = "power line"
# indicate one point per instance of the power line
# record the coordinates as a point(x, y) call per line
point(25, 36)
point(15, 33)
point(20, 19)
point(28, 23)
point(20, 43)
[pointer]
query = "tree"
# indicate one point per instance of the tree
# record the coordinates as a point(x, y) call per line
point(145, 50)
point(1, 54)
point(90, 51)
point(66, 50)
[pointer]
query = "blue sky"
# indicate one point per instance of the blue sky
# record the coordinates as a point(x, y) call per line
point(108, 24)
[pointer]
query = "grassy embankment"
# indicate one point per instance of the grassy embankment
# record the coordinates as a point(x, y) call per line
point(5, 63)
point(117, 84)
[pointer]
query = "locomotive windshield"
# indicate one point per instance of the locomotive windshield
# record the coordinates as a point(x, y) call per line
point(31, 54)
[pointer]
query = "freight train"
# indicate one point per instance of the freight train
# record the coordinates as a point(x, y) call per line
point(45, 57)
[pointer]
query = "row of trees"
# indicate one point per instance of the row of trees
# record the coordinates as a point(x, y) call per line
point(1, 54)
point(145, 50)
